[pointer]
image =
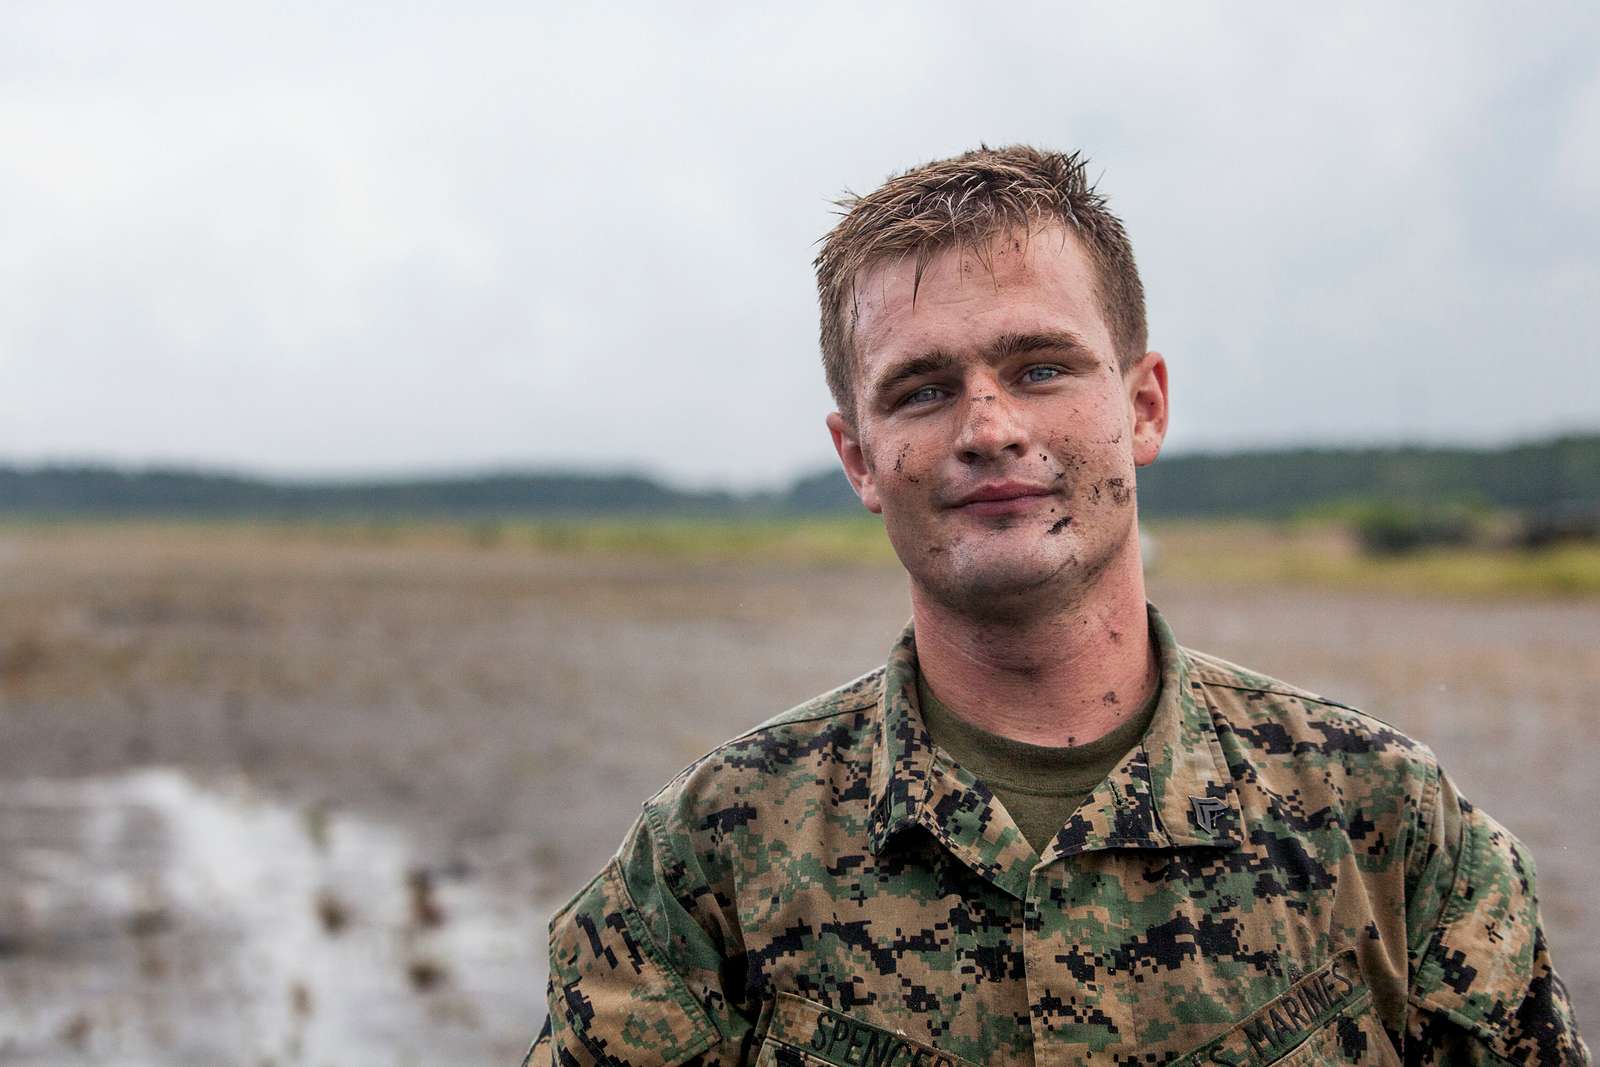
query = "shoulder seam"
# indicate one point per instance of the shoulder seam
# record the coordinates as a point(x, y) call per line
point(1296, 694)
point(1211, 673)
point(1300, 695)
point(831, 713)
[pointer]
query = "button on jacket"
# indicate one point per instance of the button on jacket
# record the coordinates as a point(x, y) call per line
point(1268, 877)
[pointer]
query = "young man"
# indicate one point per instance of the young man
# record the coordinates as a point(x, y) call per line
point(1043, 832)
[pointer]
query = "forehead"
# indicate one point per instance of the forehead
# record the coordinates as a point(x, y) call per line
point(1013, 283)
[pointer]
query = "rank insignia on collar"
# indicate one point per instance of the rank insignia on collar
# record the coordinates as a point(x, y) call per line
point(1205, 812)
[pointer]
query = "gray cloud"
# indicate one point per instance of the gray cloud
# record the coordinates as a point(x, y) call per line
point(310, 243)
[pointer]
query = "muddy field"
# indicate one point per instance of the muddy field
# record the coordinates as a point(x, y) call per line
point(270, 799)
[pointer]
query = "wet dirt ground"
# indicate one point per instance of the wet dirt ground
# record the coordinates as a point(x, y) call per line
point(270, 799)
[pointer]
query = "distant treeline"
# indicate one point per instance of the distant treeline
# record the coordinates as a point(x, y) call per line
point(1563, 473)
point(1539, 476)
point(98, 490)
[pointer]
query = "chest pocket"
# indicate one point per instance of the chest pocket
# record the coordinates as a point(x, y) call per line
point(1325, 1018)
point(804, 1034)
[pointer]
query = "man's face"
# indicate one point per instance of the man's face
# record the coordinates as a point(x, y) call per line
point(994, 431)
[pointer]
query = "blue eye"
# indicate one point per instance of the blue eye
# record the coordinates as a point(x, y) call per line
point(1041, 374)
point(924, 395)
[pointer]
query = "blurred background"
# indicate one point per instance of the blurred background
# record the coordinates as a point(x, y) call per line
point(411, 448)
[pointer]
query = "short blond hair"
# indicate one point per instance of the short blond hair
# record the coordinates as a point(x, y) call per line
point(966, 200)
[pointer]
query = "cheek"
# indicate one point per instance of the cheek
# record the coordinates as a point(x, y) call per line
point(1115, 492)
point(1060, 469)
point(1097, 472)
point(1070, 461)
point(902, 465)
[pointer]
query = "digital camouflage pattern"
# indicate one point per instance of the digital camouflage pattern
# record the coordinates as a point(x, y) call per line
point(1269, 877)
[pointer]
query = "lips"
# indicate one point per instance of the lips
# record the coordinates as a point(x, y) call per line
point(1001, 498)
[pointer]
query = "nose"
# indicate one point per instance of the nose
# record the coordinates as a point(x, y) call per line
point(991, 426)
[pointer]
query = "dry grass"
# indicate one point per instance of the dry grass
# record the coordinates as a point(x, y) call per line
point(1325, 556)
point(1241, 553)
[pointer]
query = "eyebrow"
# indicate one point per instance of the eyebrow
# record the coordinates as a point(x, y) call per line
point(1017, 344)
point(1006, 346)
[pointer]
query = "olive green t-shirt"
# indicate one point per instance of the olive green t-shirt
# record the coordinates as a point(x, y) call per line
point(1040, 786)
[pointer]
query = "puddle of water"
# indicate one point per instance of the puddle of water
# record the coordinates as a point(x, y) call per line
point(151, 920)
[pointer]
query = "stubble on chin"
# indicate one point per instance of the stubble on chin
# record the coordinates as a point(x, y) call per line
point(987, 584)
point(977, 585)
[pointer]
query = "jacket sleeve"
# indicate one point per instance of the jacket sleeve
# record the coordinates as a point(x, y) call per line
point(1483, 991)
point(635, 978)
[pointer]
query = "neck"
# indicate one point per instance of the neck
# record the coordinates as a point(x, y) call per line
point(1064, 675)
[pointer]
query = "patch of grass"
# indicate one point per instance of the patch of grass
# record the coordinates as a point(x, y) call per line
point(809, 540)
point(1315, 552)
point(1567, 570)
point(1328, 555)
point(848, 539)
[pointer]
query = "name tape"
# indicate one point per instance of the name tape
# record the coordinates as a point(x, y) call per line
point(836, 1038)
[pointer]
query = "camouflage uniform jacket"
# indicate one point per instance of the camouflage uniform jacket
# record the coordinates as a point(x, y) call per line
point(1269, 877)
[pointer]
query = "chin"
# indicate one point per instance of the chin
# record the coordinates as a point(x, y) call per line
point(1003, 587)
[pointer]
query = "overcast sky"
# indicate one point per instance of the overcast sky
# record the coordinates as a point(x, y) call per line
point(334, 239)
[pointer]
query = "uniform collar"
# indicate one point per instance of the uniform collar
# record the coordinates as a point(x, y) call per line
point(1172, 790)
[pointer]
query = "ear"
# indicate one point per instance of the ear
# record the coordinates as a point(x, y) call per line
point(1146, 381)
point(854, 461)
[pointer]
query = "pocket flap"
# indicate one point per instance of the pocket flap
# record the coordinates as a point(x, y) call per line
point(1477, 968)
point(611, 989)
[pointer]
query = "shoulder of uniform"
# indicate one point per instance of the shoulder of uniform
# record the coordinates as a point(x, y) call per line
point(827, 726)
point(1273, 714)
point(1216, 671)
point(853, 696)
